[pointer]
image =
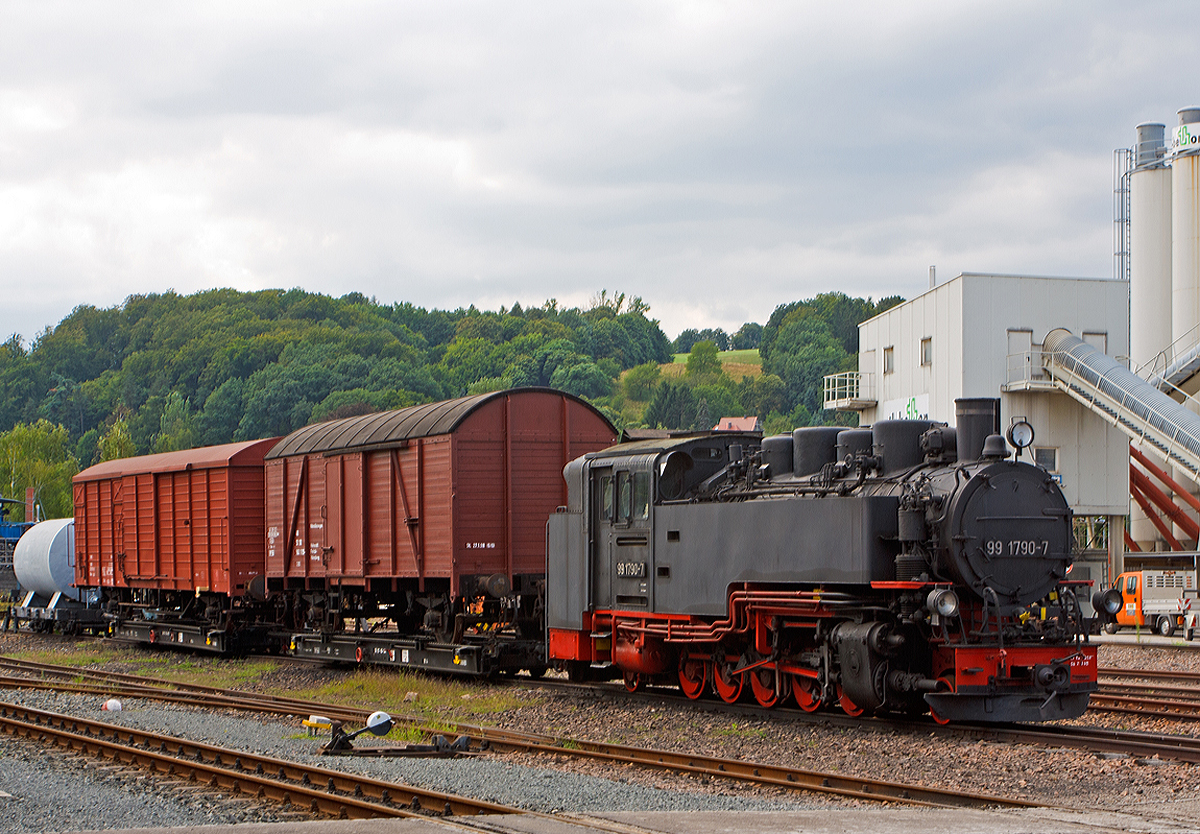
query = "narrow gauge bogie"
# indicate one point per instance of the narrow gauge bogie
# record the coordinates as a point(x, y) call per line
point(869, 569)
point(172, 545)
point(432, 517)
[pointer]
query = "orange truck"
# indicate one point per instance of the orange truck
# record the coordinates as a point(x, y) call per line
point(1160, 600)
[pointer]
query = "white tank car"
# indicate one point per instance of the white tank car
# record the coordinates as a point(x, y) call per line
point(44, 560)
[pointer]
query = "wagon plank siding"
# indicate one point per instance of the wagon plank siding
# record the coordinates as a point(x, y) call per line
point(458, 490)
point(190, 521)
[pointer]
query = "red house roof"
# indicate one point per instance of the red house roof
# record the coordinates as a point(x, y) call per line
point(737, 424)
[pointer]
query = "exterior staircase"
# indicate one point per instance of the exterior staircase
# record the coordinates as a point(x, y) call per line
point(1135, 406)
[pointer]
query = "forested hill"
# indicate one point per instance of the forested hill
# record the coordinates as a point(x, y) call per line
point(164, 372)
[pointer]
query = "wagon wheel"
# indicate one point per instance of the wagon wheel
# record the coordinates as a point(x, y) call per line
point(849, 707)
point(726, 684)
point(763, 684)
point(808, 692)
point(633, 681)
point(693, 676)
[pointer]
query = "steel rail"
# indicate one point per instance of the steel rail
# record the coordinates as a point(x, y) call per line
point(753, 772)
point(1180, 748)
point(342, 795)
point(1148, 674)
point(1186, 694)
point(1131, 704)
point(1148, 745)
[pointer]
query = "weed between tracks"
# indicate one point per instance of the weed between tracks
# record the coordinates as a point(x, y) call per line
point(734, 731)
point(436, 703)
point(405, 693)
point(181, 668)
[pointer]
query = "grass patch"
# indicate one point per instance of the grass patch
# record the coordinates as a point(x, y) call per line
point(180, 668)
point(82, 654)
point(727, 357)
point(734, 731)
point(735, 363)
point(229, 674)
point(436, 698)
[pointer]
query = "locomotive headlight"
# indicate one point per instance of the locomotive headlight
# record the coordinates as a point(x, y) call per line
point(1020, 434)
point(943, 602)
point(1109, 602)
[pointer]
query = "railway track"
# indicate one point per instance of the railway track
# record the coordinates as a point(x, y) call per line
point(71, 679)
point(319, 790)
point(1149, 693)
point(1098, 740)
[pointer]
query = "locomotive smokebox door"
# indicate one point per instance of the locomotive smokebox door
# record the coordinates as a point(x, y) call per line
point(1011, 533)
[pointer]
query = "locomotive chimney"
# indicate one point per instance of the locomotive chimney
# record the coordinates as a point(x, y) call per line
point(975, 419)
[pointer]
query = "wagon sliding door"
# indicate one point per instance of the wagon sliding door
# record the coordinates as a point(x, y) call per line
point(344, 523)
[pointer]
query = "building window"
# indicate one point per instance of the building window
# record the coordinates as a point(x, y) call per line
point(1046, 458)
point(927, 350)
point(889, 360)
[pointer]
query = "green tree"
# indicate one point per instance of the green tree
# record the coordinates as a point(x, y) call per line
point(703, 360)
point(117, 443)
point(805, 353)
point(583, 379)
point(673, 407)
point(748, 337)
point(177, 427)
point(38, 456)
point(763, 394)
point(222, 411)
point(640, 380)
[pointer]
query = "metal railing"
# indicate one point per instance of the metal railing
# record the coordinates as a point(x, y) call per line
point(849, 387)
point(1130, 403)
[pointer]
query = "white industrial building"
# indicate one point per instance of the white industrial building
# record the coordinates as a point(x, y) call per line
point(1093, 364)
point(981, 335)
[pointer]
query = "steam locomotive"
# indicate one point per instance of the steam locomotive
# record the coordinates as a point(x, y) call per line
point(902, 568)
point(907, 567)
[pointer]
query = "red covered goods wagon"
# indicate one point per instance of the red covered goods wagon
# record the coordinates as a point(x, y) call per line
point(174, 543)
point(433, 517)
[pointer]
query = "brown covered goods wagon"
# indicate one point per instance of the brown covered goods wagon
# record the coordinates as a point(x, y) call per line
point(174, 538)
point(429, 515)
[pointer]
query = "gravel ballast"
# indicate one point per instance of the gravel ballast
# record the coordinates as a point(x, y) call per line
point(54, 792)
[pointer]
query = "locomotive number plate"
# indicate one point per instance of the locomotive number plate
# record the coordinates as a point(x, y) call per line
point(631, 570)
point(1020, 547)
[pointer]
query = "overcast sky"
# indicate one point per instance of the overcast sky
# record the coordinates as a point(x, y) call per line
point(715, 158)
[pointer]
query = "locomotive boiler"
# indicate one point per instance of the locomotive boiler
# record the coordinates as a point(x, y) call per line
point(907, 567)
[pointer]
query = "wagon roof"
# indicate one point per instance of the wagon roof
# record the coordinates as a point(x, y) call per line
point(666, 444)
point(387, 427)
point(248, 453)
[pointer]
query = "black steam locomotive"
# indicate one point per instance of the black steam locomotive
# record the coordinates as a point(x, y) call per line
point(907, 567)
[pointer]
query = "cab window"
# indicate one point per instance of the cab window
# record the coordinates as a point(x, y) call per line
point(641, 496)
point(1131, 585)
point(624, 497)
point(606, 498)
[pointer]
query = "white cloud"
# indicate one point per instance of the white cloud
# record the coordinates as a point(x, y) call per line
point(715, 158)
